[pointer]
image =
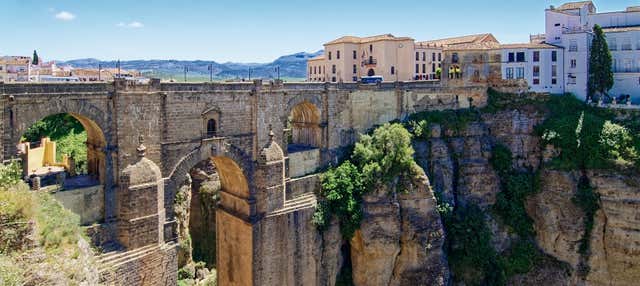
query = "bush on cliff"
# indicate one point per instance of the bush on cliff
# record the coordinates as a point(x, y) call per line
point(40, 240)
point(377, 159)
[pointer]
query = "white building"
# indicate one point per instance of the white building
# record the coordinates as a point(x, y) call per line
point(570, 26)
point(538, 63)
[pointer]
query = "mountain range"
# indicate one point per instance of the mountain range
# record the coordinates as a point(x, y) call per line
point(291, 67)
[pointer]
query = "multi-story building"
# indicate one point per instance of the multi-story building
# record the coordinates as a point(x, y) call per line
point(570, 26)
point(350, 58)
point(540, 64)
point(469, 59)
point(15, 68)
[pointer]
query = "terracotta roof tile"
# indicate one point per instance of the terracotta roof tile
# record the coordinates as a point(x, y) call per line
point(463, 40)
point(360, 40)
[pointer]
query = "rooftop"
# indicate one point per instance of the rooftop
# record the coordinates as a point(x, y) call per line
point(463, 40)
point(360, 40)
point(621, 29)
point(529, 46)
point(574, 5)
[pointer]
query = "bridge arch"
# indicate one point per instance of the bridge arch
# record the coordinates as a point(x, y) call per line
point(304, 122)
point(219, 210)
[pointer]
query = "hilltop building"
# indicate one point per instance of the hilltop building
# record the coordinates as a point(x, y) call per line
point(349, 58)
point(15, 68)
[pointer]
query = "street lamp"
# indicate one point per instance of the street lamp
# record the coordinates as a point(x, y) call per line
point(186, 69)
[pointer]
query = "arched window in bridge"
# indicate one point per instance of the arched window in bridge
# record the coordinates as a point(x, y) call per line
point(211, 128)
point(304, 122)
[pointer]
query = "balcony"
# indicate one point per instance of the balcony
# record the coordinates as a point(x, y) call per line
point(626, 70)
point(370, 62)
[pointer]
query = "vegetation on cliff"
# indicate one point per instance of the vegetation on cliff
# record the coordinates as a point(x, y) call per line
point(41, 243)
point(376, 159)
point(67, 132)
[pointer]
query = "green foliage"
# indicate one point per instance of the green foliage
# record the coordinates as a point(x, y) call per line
point(455, 120)
point(342, 190)
point(36, 59)
point(589, 201)
point(10, 174)
point(516, 186)
point(377, 159)
point(67, 132)
point(520, 258)
point(472, 258)
point(585, 138)
point(600, 79)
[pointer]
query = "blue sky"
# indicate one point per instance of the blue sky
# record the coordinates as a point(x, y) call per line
point(250, 31)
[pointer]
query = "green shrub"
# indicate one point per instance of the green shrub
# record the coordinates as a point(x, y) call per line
point(520, 258)
point(589, 201)
point(10, 174)
point(377, 159)
point(472, 258)
point(455, 120)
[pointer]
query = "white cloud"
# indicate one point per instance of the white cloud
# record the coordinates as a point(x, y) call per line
point(134, 25)
point(65, 16)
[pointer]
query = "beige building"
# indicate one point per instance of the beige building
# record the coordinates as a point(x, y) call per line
point(14, 68)
point(350, 58)
point(469, 59)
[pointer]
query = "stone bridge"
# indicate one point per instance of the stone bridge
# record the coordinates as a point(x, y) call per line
point(267, 141)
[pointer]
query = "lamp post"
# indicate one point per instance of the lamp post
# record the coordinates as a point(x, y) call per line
point(99, 72)
point(210, 72)
point(249, 74)
point(186, 69)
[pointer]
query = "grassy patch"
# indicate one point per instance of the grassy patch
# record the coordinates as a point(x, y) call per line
point(589, 201)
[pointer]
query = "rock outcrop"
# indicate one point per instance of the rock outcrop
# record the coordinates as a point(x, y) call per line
point(401, 237)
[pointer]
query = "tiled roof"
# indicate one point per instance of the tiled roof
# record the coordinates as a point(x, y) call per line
point(463, 40)
point(359, 40)
point(474, 46)
point(529, 46)
point(574, 5)
point(621, 29)
point(316, 58)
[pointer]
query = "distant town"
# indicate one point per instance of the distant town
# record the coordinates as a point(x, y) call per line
point(554, 62)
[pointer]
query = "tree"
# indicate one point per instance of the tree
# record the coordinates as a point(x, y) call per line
point(600, 74)
point(36, 60)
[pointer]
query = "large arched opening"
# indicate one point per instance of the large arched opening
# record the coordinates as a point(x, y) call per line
point(211, 232)
point(64, 153)
point(304, 123)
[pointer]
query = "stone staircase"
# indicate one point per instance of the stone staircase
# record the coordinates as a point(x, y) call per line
point(300, 202)
point(113, 259)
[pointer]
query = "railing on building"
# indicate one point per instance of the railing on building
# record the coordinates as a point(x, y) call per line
point(370, 62)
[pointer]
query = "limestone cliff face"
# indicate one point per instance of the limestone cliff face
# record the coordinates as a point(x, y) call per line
point(401, 237)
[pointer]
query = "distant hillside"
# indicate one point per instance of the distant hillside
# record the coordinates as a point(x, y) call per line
point(291, 67)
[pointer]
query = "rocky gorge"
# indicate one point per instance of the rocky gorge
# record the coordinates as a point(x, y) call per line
point(521, 224)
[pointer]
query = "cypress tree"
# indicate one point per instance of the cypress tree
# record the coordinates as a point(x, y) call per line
point(36, 60)
point(600, 74)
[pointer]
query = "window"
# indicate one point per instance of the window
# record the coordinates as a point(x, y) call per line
point(417, 56)
point(536, 71)
point(554, 71)
point(333, 79)
point(417, 68)
point(557, 25)
point(424, 68)
point(329, 55)
point(355, 55)
point(424, 56)
point(574, 63)
point(355, 69)
point(573, 46)
point(626, 44)
point(613, 44)
point(333, 69)
point(536, 56)
point(520, 57)
point(310, 70)
point(512, 57)
point(554, 56)
point(370, 48)
point(338, 55)
point(554, 81)
point(211, 128)
point(519, 73)
point(433, 55)
point(393, 70)
point(439, 57)
point(536, 81)
point(571, 79)
point(509, 73)
point(454, 58)
point(433, 67)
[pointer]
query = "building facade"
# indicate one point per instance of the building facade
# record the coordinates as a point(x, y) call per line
point(541, 65)
point(571, 27)
point(349, 58)
point(15, 68)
